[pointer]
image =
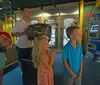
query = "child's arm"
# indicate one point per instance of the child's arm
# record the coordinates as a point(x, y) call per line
point(52, 54)
point(45, 62)
point(68, 69)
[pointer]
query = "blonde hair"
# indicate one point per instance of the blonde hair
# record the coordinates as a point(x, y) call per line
point(37, 50)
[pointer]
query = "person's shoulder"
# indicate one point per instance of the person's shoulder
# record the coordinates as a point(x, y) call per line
point(66, 46)
point(18, 21)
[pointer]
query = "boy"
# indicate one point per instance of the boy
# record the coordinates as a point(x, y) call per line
point(72, 57)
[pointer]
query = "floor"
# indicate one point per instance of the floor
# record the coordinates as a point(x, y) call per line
point(91, 73)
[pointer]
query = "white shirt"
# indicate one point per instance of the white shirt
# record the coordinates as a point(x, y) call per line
point(22, 41)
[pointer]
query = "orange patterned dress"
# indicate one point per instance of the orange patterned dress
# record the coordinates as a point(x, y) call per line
point(45, 76)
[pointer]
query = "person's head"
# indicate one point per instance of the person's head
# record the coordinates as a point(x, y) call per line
point(73, 33)
point(5, 39)
point(40, 45)
point(26, 12)
point(1, 28)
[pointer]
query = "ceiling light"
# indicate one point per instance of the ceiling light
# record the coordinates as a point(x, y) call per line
point(61, 14)
point(18, 18)
point(44, 15)
point(76, 12)
point(0, 8)
point(0, 0)
point(18, 8)
point(9, 2)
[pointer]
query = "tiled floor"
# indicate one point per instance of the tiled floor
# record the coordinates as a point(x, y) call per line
point(91, 73)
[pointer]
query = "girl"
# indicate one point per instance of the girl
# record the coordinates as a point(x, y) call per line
point(42, 61)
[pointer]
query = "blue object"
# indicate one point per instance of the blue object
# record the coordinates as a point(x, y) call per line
point(93, 40)
point(73, 57)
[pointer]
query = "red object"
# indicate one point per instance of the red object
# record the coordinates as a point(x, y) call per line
point(6, 34)
point(89, 14)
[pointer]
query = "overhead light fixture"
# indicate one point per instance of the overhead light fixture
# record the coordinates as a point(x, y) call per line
point(76, 12)
point(18, 8)
point(0, 8)
point(18, 18)
point(44, 14)
point(9, 2)
point(61, 14)
point(0, 0)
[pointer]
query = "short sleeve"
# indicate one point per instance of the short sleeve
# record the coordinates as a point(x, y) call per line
point(81, 52)
point(64, 54)
point(16, 28)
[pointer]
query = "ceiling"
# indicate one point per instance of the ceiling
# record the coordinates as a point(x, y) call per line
point(15, 4)
point(8, 6)
point(39, 3)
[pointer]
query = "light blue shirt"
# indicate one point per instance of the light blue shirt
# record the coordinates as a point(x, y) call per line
point(73, 57)
point(2, 60)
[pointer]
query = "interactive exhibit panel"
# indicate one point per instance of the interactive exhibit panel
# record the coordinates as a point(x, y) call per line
point(93, 40)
